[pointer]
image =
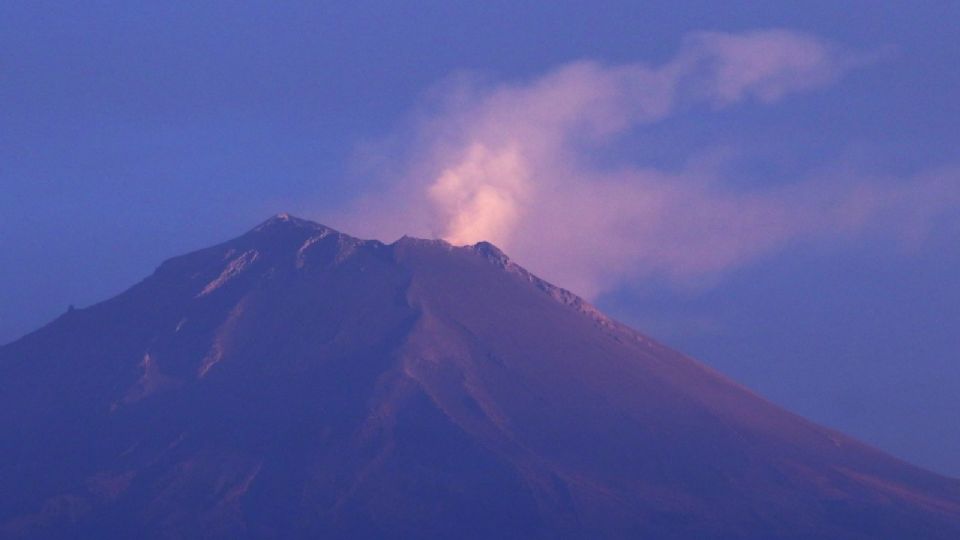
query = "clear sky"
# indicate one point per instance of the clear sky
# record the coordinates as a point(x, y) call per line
point(771, 187)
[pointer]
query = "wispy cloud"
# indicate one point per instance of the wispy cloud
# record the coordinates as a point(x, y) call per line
point(510, 163)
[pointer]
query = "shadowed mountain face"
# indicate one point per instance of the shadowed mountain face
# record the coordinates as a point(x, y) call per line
point(297, 382)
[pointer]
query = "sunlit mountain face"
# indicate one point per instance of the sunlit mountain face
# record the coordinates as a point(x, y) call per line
point(296, 382)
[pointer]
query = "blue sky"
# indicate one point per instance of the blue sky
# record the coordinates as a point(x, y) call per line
point(771, 188)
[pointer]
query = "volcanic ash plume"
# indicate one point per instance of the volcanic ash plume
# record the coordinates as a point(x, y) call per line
point(480, 197)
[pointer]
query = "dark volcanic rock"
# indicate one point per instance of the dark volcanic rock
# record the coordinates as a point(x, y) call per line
point(297, 382)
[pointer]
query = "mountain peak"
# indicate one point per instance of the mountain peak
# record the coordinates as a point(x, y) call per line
point(284, 220)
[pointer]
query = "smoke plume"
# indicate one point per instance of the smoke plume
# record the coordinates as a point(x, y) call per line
point(513, 164)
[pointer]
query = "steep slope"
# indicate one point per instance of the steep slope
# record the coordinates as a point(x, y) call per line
point(297, 382)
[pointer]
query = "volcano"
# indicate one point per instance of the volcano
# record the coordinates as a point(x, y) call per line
point(296, 382)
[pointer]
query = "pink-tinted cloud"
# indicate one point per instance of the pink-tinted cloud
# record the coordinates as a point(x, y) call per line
point(763, 65)
point(509, 163)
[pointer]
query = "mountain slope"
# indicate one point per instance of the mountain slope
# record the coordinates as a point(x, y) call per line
point(297, 382)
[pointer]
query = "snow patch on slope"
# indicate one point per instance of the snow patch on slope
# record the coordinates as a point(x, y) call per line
point(305, 248)
point(233, 269)
point(150, 382)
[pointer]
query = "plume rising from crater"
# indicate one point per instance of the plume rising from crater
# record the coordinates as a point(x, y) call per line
point(543, 168)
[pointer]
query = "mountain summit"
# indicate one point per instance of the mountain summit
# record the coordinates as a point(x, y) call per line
point(297, 382)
